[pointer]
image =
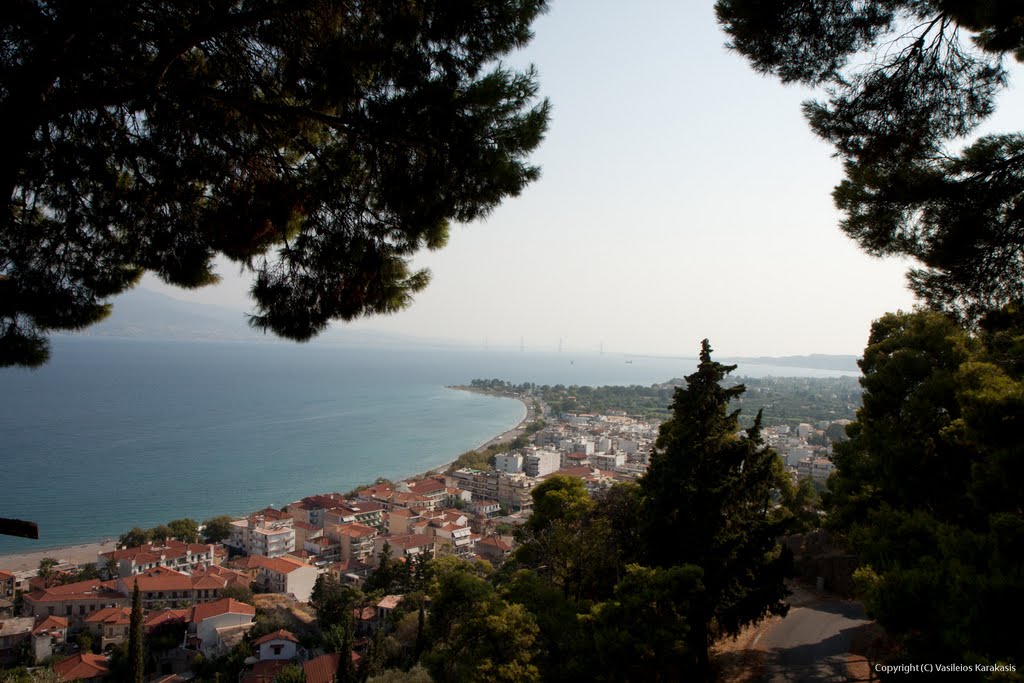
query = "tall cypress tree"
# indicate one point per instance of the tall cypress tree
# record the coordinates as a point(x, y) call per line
point(136, 652)
point(707, 495)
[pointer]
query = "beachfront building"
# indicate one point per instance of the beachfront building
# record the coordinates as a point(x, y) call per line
point(182, 557)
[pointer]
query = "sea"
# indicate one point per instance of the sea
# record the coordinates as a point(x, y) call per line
point(116, 433)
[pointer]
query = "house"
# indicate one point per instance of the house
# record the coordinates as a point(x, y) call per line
point(280, 645)
point(492, 548)
point(286, 575)
point(160, 618)
point(13, 634)
point(84, 666)
point(6, 585)
point(398, 521)
point(407, 545)
point(263, 671)
point(49, 631)
point(323, 669)
point(74, 600)
point(110, 625)
point(214, 627)
point(385, 607)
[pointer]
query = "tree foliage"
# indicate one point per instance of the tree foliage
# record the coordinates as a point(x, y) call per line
point(319, 144)
point(217, 529)
point(905, 81)
point(927, 487)
point(185, 530)
point(136, 646)
point(707, 496)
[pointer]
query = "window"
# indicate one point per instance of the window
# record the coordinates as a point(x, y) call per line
point(81, 609)
point(277, 649)
point(68, 610)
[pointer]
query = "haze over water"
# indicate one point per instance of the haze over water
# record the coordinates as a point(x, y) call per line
point(119, 433)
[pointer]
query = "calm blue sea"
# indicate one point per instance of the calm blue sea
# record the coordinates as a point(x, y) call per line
point(119, 433)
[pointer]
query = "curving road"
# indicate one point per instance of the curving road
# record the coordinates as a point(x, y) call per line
point(812, 642)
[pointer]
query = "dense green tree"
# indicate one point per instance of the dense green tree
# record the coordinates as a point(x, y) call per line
point(319, 145)
point(707, 497)
point(217, 529)
point(136, 646)
point(185, 530)
point(133, 538)
point(332, 600)
point(906, 80)
point(417, 674)
point(292, 673)
point(474, 634)
point(645, 632)
point(927, 489)
point(579, 543)
point(159, 534)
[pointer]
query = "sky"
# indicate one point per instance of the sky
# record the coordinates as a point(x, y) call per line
point(682, 196)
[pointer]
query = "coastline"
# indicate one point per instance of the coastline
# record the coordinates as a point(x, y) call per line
point(81, 553)
point(507, 435)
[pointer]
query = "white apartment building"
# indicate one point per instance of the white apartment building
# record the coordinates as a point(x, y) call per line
point(541, 463)
point(509, 462)
point(256, 536)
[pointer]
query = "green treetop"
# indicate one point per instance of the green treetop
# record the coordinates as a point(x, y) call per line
point(320, 145)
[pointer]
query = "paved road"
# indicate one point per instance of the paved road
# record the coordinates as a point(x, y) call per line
point(812, 642)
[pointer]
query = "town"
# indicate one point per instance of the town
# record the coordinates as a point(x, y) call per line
point(200, 590)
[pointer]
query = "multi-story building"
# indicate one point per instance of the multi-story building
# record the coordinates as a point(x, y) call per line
point(509, 463)
point(541, 463)
point(514, 491)
point(479, 483)
point(355, 541)
point(166, 587)
point(75, 601)
point(256, 536)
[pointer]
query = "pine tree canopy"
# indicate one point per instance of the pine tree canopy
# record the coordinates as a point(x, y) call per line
point(317, 143)
point(905, 81)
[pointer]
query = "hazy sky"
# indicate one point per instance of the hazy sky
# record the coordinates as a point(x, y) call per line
point(682, 196)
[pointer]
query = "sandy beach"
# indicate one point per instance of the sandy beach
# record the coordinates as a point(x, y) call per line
point(72, 554)
point(87, 552)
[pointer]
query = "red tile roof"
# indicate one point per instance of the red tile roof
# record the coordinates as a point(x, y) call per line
point(164, 616)
point(264, 672)
point(206, 610)
point(51, 623)
point(115, 616)
point(82, 666)
point(279, 634)
point(322, 669)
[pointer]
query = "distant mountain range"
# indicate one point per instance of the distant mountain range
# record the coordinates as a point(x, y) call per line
point(144, 314)
point(818, 361)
